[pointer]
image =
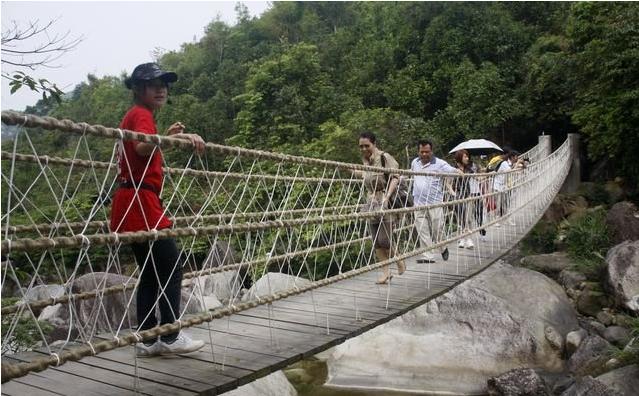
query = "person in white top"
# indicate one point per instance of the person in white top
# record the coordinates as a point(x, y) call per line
point(501, 183)
point(429, 190)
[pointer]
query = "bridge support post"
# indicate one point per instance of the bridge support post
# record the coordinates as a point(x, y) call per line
point(574, 175)
point(545, 142)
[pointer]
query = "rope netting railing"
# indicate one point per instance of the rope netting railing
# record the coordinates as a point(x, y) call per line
point(252, 226)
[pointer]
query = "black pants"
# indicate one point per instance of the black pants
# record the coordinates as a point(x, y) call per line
point(479, 211)
point(161, 270)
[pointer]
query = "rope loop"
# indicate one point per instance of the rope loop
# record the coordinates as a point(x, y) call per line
point(57, 358)
point(116, 339)
point(85, 240)
point(8, 241)
point(155, 234)
point(93, 352)
point(137, 336)
point(120, 134)
point(26, 119)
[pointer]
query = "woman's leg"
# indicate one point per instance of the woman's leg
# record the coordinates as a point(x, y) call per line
point(147, 288)
point(169, 274)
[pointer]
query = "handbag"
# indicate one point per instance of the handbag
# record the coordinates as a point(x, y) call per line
point(401, 198)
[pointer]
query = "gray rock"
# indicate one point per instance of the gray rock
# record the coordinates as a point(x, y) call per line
point(591, 302)
point(223, 286)
point(623, 221)
point(588, 386)
point(597, 328)
point(571, 279)
point(590, 357)
point(220, 254)
point(550, 264)
point(43, 292)
point(93, 315)
point(274, 384)
point(574, 339)
point(622, 274)
point(617, 335)
point(562, 385)
point(274, 282)
point(605, 318)
point(554, 338)
point(486, 326)
point(517, 382)
point(624, 380)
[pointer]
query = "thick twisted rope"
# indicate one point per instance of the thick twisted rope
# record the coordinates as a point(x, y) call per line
point(51, 123)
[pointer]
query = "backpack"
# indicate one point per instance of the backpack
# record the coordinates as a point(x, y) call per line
point(401, 197)
point(494, 164)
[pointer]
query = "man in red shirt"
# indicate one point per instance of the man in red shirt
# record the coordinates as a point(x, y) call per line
point(137, 207)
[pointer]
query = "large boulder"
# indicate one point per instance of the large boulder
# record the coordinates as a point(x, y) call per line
point(623, 222)
point(486, 326)
point(588, 386)
point(220, 254)
point(590, 357)
point(274, 384)
point(108, 311)
point(221, 285)
point(550, 264)
point(274, 282)
point(518, 382)
point(624, 380)
point(622, 274)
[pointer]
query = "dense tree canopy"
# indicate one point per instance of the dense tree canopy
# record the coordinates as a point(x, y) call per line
point(307, 77)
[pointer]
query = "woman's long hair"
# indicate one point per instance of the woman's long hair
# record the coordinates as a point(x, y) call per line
point(459, 159)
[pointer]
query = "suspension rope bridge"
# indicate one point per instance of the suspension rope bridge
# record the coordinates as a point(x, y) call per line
point(278, 264)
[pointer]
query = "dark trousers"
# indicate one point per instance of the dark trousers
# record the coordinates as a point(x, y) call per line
point(162, 270)
point(479, 210)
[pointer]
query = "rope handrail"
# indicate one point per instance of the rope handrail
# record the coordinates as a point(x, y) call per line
point(51, 123)
point(53, 160)
point(100, 224)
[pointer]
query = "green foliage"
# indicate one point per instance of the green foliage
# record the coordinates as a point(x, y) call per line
point(606, 53)
point(541, 239)
point(588, 241)
point(630, 355)
point(25, 333)
point(48, 90)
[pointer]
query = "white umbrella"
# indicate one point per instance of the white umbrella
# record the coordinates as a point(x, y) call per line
point(476, 146)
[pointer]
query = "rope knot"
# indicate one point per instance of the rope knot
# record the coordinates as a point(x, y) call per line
point(86, 242)
point(57, 358)
point(120, 134)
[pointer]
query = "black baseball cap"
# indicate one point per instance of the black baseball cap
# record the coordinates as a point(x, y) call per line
point(148, 72)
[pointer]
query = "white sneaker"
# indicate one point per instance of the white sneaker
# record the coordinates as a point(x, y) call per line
point(461, 243)
point(182, 344)
point(469, 244)
point(512, 222)
point(142, 350)
point(497, 225)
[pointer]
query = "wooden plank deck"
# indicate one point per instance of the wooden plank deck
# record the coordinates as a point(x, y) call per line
point(259, 341)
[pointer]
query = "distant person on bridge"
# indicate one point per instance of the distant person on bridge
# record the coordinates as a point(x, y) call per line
point(429, 190)
point(503, 181)
point(137, 207)
point(379, 193)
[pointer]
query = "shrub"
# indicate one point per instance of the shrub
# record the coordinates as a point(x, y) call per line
point(587, 241)
point(630, 355)
point(541, 239)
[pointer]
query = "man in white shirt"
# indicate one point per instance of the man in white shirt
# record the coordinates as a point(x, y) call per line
point(428, 190)
point(501, 183)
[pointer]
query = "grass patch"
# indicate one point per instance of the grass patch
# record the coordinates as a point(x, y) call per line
point(540, 240)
